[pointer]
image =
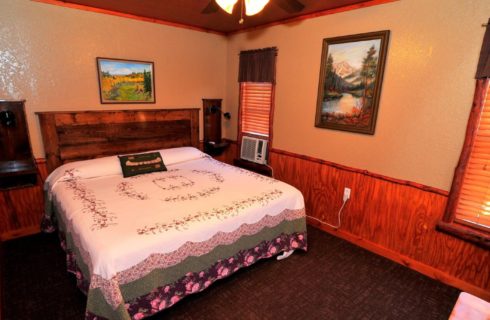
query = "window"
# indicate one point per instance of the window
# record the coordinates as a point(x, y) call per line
point(468, 208)
point(473, 206)
point(255, 107)
point(257, 77)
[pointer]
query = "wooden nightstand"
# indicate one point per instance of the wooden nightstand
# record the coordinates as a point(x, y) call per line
point(215, 149)
point(21, 185)
point(252, 166)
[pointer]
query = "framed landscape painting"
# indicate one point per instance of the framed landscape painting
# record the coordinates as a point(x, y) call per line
point(126, 81)
point(351, 74)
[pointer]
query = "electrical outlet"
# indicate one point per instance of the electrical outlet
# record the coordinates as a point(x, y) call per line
point(346, 194)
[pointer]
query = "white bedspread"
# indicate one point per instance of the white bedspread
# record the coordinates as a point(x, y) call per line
point(121, 221)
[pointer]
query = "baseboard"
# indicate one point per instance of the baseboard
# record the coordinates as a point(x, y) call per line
point(418, 266)
point(20, 233)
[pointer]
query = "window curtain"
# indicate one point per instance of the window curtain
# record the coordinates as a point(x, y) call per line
point(258, 65)
point(483, 70)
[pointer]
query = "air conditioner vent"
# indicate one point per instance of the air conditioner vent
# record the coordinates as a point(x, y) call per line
point(254, 150)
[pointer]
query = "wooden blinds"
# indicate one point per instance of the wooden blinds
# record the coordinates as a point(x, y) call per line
point(473, 206)
point(255, 105)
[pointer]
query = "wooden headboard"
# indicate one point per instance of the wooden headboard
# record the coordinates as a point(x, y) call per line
point(80, 135)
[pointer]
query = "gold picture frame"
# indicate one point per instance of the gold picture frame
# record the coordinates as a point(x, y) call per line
point(126, 81)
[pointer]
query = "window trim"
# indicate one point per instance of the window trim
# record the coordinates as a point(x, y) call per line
point(449, 224)
point(271, 120)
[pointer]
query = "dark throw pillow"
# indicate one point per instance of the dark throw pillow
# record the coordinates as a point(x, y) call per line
point(141, 163)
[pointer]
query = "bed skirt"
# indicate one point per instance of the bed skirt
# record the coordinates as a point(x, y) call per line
point(163, 287)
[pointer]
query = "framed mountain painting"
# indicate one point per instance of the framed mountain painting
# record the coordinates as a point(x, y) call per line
point(126, 81)
point(351, 74)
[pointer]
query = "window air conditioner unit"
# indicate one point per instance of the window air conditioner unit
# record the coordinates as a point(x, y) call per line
point(254, 149)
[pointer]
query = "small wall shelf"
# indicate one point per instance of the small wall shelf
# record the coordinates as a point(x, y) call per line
point(213, 144)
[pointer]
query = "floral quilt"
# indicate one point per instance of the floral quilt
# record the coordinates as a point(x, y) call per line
point(138, 245)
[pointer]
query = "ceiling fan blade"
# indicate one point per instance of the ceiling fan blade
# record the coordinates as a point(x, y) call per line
point(212, 7)
point(290, 6)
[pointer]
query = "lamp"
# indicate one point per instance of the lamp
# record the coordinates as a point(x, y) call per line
point(251, 6)
point(215, 109)
point(227, 5)
point(254, 6)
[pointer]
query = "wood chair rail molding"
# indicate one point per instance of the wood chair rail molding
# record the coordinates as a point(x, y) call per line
point(354, 170)
point(364, 172)
point(392, 217)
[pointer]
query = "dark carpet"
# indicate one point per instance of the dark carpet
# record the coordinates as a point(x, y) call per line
point(333, 280)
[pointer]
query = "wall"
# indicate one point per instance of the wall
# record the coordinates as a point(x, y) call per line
point(425, 101)
point(426, 95)
point(47, 56)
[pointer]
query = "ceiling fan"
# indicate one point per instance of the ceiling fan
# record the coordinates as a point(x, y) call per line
point(252, 6)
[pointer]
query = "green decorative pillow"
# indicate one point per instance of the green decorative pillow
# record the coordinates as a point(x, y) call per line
point(142, 163)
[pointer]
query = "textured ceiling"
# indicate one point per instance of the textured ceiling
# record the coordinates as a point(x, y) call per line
point(188, 12)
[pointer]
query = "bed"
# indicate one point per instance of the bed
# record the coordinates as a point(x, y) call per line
point(138, 245)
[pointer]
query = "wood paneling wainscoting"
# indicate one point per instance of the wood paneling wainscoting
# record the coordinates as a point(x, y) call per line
point(21, 209)
point(391, 217)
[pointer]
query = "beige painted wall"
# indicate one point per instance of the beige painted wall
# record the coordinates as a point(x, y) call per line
point(47, 56)
point(426, 95)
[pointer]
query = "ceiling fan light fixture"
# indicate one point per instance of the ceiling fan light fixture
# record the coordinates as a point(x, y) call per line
point(227, 5)
point(254, 6)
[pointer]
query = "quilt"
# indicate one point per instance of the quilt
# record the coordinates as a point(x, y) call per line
point(138, 245)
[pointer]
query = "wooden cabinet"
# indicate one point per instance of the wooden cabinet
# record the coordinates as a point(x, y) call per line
point(21, 193)
point(22, 208)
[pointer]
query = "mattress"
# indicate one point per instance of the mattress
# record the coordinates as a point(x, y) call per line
point(140, 244)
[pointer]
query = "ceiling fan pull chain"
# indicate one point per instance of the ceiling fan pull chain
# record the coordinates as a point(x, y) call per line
point(241, 12)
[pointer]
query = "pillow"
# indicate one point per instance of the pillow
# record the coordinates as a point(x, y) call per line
point(111, 165)
point(141, 163)
point(85, 169)
point(181, 154)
